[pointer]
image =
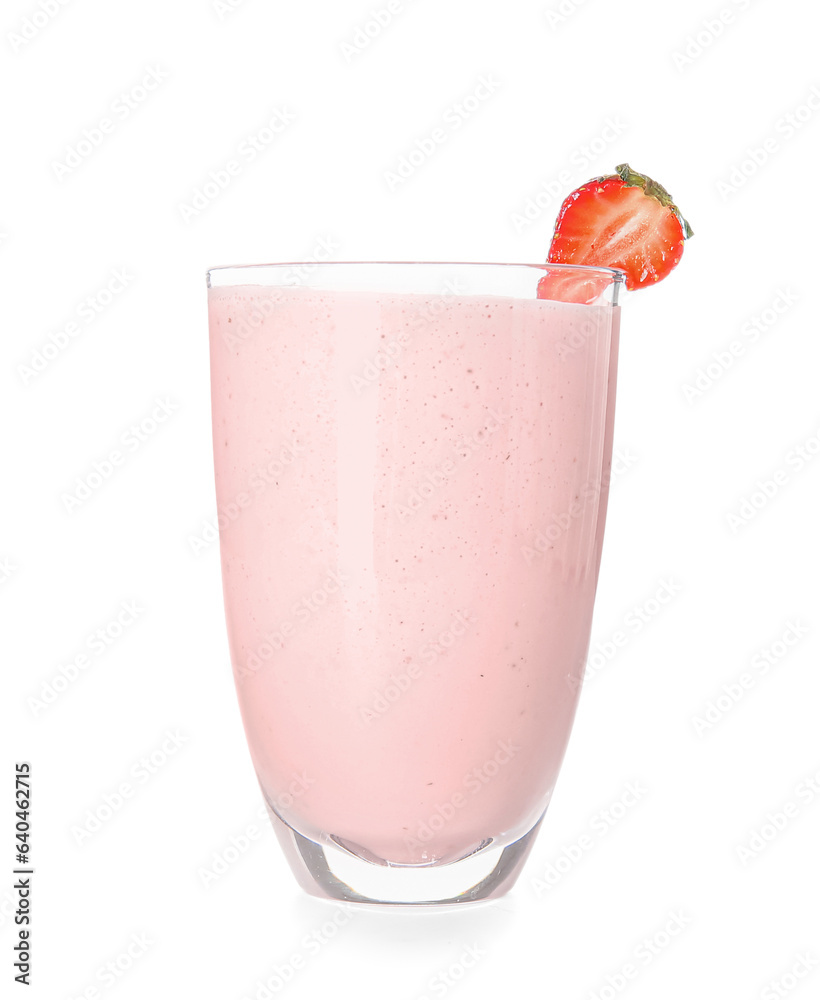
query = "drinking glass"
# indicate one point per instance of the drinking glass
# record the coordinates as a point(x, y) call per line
point(412, 466)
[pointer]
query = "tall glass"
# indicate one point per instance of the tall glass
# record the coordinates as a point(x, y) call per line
point(412, 466)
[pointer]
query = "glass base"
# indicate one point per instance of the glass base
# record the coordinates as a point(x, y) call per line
point(331, 872)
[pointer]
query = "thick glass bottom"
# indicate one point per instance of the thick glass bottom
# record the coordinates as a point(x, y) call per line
point(332, 872)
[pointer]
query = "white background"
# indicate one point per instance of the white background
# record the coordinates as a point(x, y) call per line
point(706, 790)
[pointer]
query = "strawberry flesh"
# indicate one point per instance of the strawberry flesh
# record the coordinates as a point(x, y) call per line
point(625, 221)
point(564, 284)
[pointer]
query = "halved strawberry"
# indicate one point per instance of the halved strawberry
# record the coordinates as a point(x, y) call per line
point(626, 220)
point(569, 284)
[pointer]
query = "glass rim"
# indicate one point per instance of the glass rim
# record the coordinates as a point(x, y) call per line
point(617, 275)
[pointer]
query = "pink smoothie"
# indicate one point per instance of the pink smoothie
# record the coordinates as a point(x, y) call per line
point(412, 493)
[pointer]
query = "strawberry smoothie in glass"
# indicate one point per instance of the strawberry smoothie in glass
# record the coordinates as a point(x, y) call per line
point(412, 461)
